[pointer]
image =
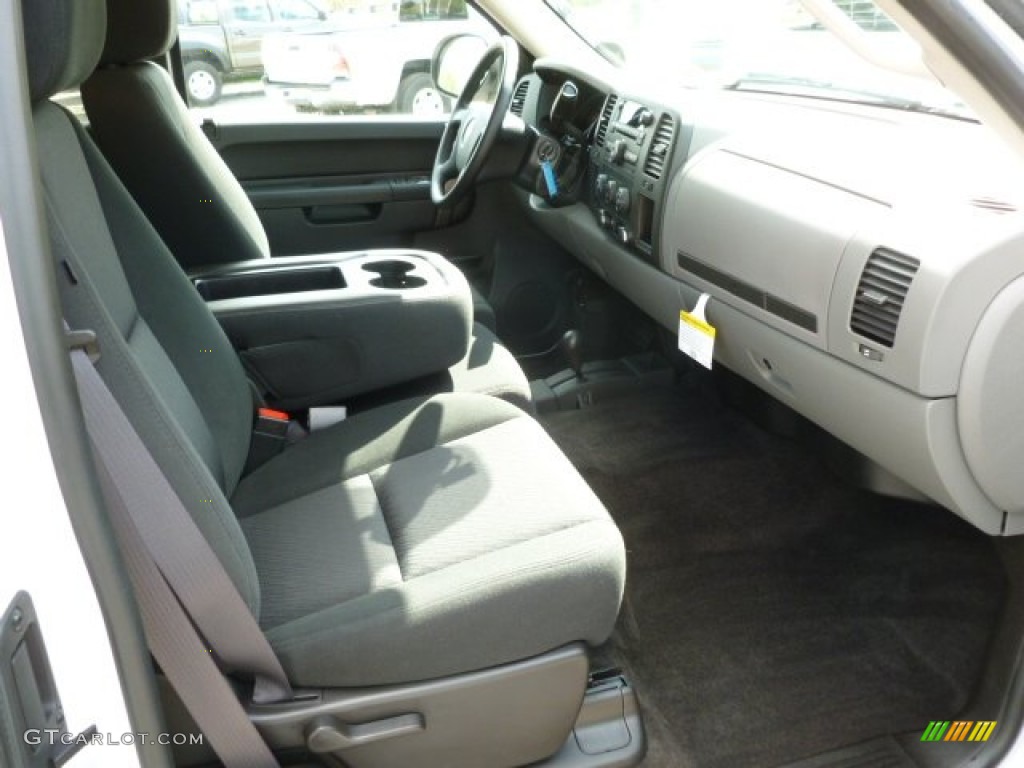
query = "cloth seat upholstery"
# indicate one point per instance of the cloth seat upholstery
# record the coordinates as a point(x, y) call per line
point(425, 538)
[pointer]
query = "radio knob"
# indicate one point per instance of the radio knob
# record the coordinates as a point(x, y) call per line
point(601, 187)
point(624, 236)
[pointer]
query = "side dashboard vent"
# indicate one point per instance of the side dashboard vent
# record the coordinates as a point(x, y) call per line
point(661, 144)
point(880, 295)
point(518, 105)
point(605, 119)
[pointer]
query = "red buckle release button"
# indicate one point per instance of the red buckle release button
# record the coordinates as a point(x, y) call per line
point(270, 413)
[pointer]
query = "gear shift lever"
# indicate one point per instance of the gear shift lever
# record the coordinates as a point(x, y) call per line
point(572, 349)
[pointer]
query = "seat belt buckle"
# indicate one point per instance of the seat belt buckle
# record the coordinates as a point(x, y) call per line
point(272, 422)
point(269, 437)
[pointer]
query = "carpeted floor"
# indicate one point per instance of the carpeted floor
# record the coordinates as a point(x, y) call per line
point(773, 612)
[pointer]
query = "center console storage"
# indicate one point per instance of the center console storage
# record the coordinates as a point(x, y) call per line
point(313, 330)
point(267, 282)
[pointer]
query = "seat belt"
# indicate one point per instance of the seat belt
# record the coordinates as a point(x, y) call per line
point(179, 583)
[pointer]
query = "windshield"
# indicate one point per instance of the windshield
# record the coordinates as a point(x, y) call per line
point(755, 45)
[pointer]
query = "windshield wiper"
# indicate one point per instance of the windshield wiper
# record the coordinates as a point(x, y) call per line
point(799, 86)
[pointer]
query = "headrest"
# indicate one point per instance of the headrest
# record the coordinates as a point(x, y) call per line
point(63, 41)
point(139, 29)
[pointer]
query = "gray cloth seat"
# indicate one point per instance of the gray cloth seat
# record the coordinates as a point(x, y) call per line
point(133, 107)
point(426, 538)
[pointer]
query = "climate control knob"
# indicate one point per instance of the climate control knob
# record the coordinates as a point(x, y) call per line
point(622, 201)
point(601, 186)
point(611, 192)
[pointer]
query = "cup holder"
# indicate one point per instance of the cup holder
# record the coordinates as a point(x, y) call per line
point(394, 274)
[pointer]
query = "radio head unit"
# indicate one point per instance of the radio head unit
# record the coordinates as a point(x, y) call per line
point(630, 158)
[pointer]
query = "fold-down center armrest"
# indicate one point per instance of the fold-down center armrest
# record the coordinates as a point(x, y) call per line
point(313, 330)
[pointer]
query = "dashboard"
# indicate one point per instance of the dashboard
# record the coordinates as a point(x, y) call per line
point(865, 266)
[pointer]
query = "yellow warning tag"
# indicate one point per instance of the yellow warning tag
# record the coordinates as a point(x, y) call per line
point(696, 334)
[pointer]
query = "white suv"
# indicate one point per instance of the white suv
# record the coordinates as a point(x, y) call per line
point(368, 61)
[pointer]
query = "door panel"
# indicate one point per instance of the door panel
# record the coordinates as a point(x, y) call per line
point(362, 182)
point(335, 186)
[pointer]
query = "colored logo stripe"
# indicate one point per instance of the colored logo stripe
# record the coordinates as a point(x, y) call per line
point(982, 731)
point(935, 731)
point(958, 730)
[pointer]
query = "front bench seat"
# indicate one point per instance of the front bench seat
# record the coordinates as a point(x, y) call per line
point(431, 537)
point(180, 181)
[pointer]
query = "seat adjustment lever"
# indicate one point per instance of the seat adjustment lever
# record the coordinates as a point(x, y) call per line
point(325, 734)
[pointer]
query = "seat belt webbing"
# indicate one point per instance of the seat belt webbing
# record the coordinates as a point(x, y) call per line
point(168, 560)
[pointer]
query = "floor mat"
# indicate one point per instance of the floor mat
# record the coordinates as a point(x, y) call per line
point(877, 753)
point(772, 612)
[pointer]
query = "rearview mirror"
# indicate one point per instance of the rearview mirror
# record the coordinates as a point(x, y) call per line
point(454, 60)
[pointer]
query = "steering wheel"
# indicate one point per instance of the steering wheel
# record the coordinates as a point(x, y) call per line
point(475, 123)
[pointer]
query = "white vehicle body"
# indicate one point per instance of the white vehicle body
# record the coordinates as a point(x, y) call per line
point(43, 559)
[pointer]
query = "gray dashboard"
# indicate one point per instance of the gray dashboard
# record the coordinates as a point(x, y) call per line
point(864, 268)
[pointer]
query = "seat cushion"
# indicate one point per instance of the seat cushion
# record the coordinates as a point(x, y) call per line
point(410, 542)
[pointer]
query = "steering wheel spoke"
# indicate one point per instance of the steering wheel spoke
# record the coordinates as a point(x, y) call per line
point(475, 123)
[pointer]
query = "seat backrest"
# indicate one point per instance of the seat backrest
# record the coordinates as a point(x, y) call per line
point(156, 147)
point(163, 354)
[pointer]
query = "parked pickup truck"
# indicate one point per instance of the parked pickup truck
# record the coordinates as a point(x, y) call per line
point(368, 62)
point(221, 39)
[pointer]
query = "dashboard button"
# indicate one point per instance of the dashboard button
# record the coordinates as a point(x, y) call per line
point(871, 354)
point(618, 152)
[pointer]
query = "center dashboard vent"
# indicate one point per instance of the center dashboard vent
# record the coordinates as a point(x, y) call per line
point(657, 155)
point(605, 119)
point(518, 105)
point(880, 295)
